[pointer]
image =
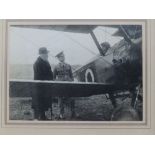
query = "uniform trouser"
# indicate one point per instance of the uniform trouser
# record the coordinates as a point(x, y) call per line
point(66, 101)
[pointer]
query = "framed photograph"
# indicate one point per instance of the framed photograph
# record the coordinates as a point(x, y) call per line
point(77, 76)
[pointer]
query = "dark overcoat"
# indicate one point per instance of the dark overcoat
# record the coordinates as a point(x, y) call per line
point(41, 99)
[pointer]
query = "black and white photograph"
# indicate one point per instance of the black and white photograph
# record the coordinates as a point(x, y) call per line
point(75, 72)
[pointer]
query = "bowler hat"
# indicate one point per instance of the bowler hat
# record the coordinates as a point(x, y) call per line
point(43, 50)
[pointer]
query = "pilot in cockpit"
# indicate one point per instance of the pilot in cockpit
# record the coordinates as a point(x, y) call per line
point(105, 46)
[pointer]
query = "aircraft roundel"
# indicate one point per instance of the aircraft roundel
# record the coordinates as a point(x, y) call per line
point(89, 76)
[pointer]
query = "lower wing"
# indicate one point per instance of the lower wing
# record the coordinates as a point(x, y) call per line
point(25, 88)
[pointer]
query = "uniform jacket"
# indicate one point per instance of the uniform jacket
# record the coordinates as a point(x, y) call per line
point(63, 72)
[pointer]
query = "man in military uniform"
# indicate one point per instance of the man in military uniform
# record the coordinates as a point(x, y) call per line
point(41, 94)
point(63, 72)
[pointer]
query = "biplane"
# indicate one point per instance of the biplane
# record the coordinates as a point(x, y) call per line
point(98, 76)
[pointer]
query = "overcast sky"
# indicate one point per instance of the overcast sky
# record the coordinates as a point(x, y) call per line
point(78, 48)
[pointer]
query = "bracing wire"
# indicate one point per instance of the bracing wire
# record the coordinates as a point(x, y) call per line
point(72, 39)
point(30, 41)
point(81, 45)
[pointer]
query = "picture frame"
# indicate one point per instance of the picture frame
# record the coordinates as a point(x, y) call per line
point(147, 126)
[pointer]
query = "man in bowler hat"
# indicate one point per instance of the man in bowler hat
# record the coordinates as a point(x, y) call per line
point(42, 99)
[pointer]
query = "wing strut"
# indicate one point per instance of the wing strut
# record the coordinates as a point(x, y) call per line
point(96, 41)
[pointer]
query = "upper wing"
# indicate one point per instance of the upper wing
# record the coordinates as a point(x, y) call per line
point(58, 89)
point(65, 28)
point(131, 33)
point(126, 31)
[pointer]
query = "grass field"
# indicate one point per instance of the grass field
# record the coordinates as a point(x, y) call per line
point(94, 108)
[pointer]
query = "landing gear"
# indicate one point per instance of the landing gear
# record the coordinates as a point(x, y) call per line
point(137, 100)
point(113, 100)
point(128, 105)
